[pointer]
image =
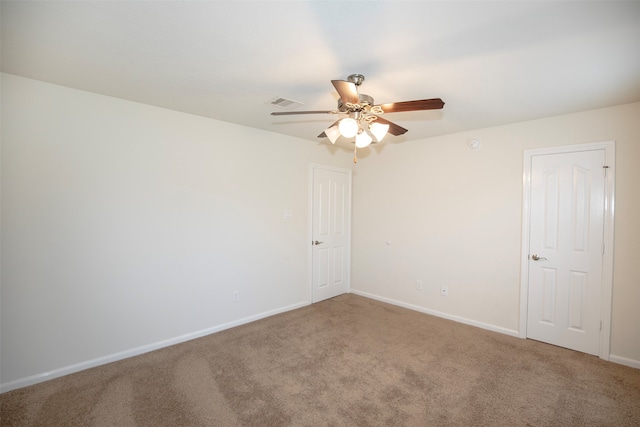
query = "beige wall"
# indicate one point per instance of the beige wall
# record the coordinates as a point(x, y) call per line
point(453, 216)
point(127, 227)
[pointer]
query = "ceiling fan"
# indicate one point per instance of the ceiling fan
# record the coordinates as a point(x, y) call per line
point(363, 119)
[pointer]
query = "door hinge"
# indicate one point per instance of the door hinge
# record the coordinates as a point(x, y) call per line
point(605, 169)
point(601, 326)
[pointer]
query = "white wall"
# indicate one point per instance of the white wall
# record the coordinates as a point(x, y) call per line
point(454, 216)
point(126, 227)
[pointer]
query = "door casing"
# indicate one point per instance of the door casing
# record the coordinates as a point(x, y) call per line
point(608, 236)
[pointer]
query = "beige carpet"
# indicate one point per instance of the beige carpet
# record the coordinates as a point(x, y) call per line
point(348, 361)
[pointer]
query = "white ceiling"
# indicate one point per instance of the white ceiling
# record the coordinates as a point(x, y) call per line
point(492, 63)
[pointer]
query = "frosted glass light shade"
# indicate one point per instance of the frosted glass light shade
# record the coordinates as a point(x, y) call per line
point(333, 133)
point(378, 130)
point(348, 127)
point(363, 140)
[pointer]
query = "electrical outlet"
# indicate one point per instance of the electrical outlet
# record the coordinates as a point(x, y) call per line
point(235, 296)
point(444, 290)
point(419, 285)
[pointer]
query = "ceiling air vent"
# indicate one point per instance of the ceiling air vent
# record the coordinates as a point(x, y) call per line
point(284, 103)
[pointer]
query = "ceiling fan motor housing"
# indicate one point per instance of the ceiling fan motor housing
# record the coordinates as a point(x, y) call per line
point(364, 100)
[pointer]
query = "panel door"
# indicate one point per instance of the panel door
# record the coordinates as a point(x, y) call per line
point(565, 251)
point(331, 222)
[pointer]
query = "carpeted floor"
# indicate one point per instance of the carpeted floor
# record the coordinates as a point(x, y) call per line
point(347, 361)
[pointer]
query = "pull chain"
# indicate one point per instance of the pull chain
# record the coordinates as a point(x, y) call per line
point(355, 157)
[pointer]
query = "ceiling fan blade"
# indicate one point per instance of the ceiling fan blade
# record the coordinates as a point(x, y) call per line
point(394, 129)
point(347, 91)
point(422, 104)
point(324, 135)
point(288, 113)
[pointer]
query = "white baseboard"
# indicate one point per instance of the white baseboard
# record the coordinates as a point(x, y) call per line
point(56, 373)
point(624, 361)
point(455, 318)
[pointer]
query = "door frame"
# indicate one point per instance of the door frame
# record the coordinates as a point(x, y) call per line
point(608, 236)
point(312, 168)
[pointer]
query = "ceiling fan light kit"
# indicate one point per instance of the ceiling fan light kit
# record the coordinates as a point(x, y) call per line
point(333, 133)
point(363, 139)
point(348, 127)
point(363, 121)
point(378, 130)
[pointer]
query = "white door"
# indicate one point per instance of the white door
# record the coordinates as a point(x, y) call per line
point(566, 249)
point(331, 212)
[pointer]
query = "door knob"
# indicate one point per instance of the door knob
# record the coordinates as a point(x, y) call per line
point(538, 258)
point(317, 243)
